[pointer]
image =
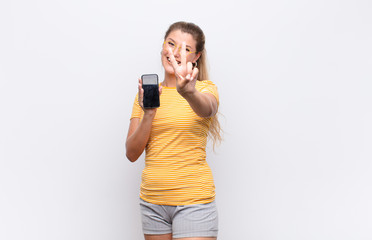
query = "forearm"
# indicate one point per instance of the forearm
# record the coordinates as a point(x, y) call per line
point(137, 140)
point(203, 104)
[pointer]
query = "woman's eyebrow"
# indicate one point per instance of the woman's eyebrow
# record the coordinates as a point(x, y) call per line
point(177, 44)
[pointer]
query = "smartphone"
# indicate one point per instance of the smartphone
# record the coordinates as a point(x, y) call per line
point(150, 85)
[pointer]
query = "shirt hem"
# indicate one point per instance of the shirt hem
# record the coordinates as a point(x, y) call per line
point(182, 203)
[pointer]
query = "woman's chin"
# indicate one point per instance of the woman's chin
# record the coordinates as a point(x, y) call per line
point(168, 69)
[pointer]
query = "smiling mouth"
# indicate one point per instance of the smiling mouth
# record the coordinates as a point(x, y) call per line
point(178, 62)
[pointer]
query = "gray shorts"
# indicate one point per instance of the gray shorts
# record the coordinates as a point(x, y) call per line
point(197, 220)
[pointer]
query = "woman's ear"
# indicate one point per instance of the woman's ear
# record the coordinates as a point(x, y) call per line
point(197, 56)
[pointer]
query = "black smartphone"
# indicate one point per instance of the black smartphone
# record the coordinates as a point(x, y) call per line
point(150, 85)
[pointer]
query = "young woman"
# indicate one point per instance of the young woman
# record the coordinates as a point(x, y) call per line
point(177, 191)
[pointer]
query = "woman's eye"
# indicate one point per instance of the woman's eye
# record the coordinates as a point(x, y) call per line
point(171, 44)
point(188, 50)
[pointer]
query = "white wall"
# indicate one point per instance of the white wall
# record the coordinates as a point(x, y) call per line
point(295, 85)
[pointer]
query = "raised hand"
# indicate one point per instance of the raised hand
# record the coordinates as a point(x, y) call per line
point(186, 75)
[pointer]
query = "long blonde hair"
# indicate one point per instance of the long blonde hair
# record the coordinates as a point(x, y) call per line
point(199, 37)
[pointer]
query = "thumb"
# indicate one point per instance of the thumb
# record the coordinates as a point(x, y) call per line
point(160, 90)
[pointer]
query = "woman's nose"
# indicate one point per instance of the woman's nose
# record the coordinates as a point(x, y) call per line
point(177, 51)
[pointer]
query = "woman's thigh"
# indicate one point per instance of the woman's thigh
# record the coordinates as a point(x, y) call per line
point(197, 238)
point(159, 237)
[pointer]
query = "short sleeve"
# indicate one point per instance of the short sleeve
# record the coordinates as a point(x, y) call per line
point(207, 86)
point(137, 111)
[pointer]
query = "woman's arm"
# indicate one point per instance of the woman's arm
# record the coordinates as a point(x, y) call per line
point(139, 130)
point(138, 135)
point(203, 104)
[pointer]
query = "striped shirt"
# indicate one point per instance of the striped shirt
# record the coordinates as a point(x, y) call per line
point(176, 171)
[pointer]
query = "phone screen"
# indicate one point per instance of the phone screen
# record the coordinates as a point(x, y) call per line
point(150, 87)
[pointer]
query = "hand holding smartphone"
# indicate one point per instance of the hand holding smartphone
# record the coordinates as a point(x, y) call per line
point(150, 85)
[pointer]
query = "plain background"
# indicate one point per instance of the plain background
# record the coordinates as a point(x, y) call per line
point(295, 88)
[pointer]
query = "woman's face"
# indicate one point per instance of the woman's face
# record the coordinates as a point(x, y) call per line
point(174, 41)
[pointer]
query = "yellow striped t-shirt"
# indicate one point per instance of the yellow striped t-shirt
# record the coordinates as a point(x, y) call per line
point(176, 171)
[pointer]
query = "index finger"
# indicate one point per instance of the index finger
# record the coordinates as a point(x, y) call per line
point(183, 55)
point(172, 59)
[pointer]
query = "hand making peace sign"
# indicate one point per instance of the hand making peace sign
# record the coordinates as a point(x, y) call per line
point(186, 75)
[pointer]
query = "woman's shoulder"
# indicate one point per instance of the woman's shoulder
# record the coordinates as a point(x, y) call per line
point(204, 83)
point(207, 86)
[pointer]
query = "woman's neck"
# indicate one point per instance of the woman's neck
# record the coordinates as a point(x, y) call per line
point(169, 80)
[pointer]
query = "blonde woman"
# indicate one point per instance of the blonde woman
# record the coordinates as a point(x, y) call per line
point(177, 196)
